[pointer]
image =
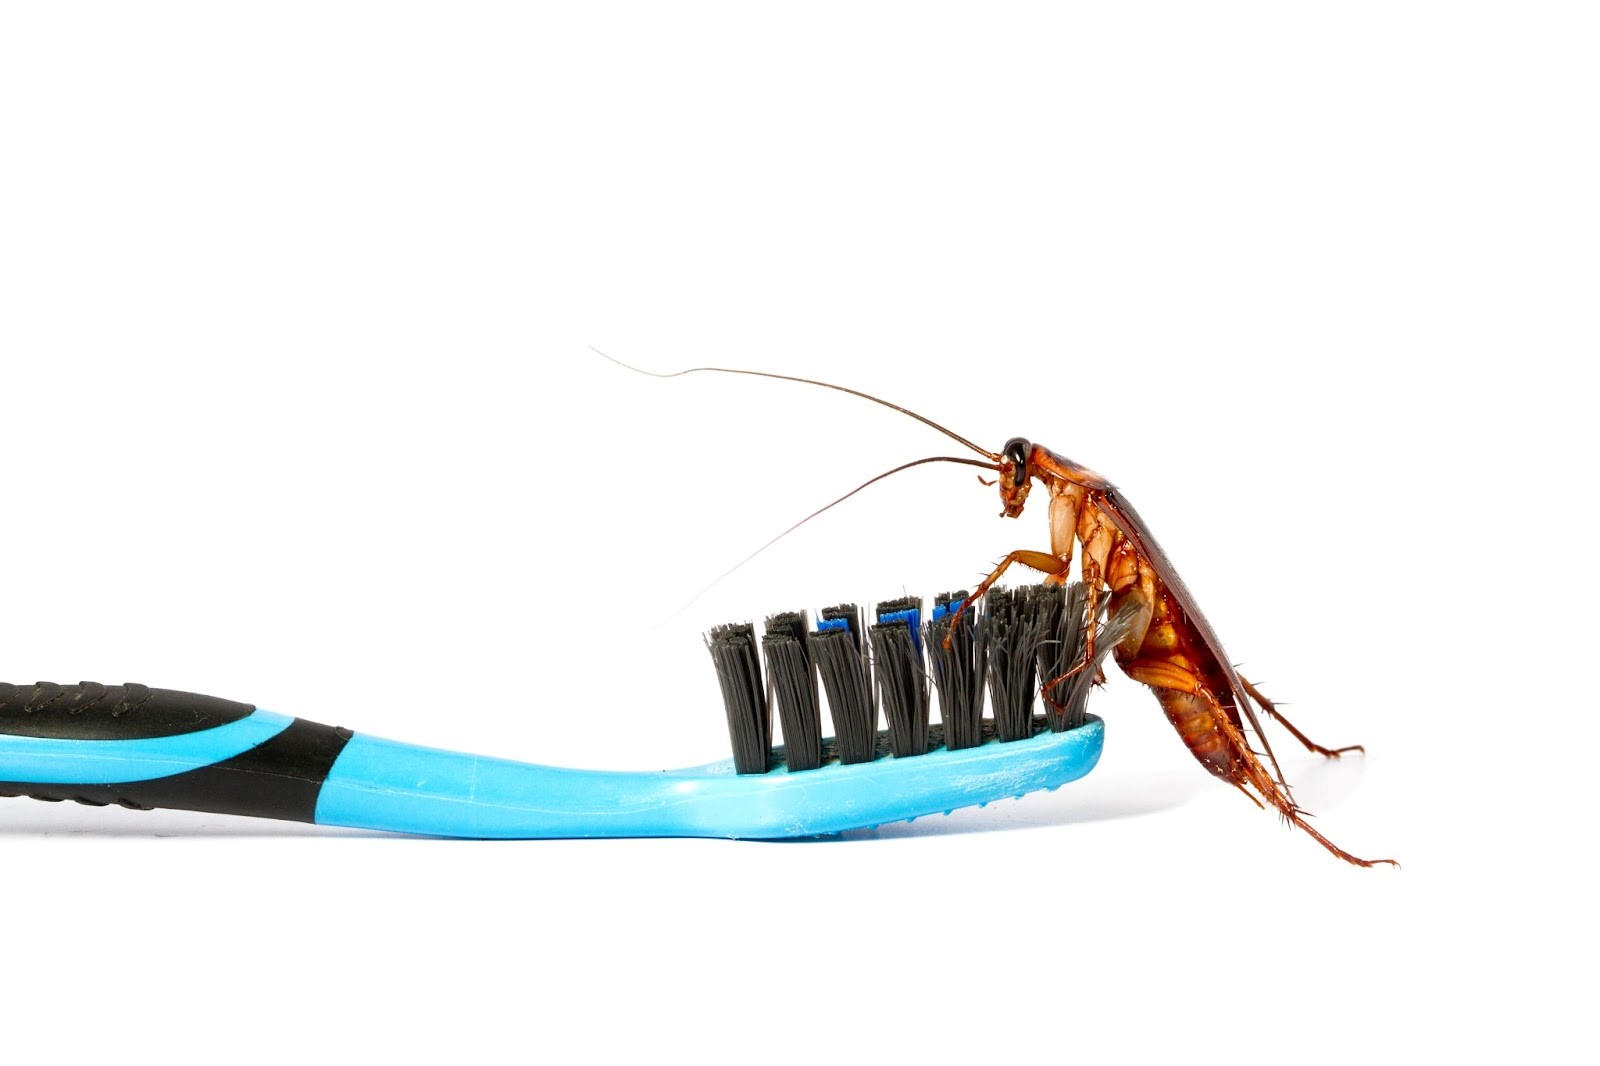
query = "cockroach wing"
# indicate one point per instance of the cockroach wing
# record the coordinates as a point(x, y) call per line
point(1133, 527)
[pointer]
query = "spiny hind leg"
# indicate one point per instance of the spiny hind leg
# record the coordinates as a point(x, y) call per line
point(1297, 818)
point(1219, 744)
point(1311, 745)
point(1255, 779)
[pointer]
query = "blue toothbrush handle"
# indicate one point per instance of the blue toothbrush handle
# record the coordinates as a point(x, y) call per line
point(144, 748)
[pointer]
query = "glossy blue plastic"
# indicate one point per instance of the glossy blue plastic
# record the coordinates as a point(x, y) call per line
point(381, 784)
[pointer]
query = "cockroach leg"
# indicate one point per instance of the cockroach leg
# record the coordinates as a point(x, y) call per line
point(1077, 668)
point(1297, 818)
point(1311, 745)
point(1044, 562)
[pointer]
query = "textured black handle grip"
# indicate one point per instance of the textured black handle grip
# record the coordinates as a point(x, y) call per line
point(281, 777)
point(91, 711)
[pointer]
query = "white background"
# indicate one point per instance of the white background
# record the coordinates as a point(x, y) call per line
point(299, 409)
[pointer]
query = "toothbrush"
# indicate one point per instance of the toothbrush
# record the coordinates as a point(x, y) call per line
point(146, 747)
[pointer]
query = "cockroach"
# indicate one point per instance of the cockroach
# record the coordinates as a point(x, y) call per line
point(1171, 649)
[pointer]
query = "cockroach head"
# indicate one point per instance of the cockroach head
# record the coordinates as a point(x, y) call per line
point(1015, 476)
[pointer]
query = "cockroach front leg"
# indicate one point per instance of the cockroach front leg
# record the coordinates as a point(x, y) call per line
point(1273, 713)
point(1053, 568)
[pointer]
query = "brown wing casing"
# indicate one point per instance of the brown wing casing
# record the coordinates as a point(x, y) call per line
point(1176, 653)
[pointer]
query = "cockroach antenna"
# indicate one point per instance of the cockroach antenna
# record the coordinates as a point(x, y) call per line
point(990, 462)
point(924, 419)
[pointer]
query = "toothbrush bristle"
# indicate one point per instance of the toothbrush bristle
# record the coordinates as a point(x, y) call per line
point(907, 609)
point(958, 670)
point(794, 688)
point(1004, 647)
point(1013, 640)
point(845, 617)
point(1062, 630)
point(733, 650)
point(847, 680)
point(902, 684)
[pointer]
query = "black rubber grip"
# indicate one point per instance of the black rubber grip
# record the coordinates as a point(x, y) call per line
point(90, 711)
point(278, 779)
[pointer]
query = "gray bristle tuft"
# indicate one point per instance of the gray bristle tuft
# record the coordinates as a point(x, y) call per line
point(733, 651)
point(958, 671)
point(847, 680)
point(793, 684)
point(902, 686)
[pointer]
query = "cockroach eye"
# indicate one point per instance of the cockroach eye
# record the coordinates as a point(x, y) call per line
point(1016, 452)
